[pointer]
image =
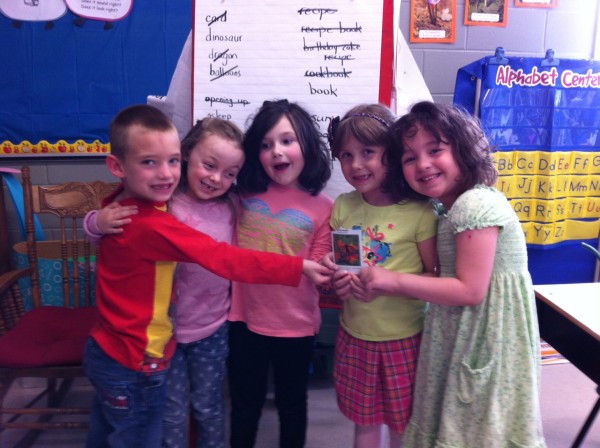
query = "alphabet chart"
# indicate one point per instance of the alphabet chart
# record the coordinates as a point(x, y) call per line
point(544, 120)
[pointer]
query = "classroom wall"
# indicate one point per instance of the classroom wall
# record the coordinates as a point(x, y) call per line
point(570, 30)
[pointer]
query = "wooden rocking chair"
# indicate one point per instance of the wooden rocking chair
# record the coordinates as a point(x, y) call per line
point(48, 342)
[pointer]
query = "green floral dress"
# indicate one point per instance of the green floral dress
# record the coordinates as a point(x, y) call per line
point(478, 375)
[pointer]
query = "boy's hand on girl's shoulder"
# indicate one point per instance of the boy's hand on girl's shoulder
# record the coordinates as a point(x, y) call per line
point(319, 274)
point(113, 217)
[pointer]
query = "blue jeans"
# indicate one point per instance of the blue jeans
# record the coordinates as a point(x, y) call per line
point(128, 407)
point(196, 377)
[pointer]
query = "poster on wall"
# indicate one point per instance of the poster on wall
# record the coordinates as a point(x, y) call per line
point(327, 59)
point(486, 12)
point(100, 10)
point(543, 116)
point(33, 11)
point(536, 3)
point(433, 21)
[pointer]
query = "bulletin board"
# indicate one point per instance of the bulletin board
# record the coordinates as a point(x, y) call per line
point(326, 56)
point(62, 81)
point(543, 115)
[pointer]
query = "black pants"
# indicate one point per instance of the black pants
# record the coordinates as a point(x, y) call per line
point(250, 356)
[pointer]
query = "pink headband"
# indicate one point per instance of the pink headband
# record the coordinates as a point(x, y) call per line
point(335, 121)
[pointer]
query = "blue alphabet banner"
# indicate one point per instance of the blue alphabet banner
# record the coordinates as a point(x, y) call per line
point(543, 115)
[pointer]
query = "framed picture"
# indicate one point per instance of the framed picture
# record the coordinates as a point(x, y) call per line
point(347, 249)
point(536, 3)
point(486, 12)
point(433, 21)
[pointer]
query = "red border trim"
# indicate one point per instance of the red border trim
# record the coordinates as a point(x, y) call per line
point(386, 66)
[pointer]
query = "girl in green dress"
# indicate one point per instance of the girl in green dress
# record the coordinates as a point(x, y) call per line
point(479, 367)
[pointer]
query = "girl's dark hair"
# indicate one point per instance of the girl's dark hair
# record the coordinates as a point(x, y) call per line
point(317, 165)
point(454, 126)
point(224, 129)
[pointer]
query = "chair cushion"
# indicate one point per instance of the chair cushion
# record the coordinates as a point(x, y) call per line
point(48, 336)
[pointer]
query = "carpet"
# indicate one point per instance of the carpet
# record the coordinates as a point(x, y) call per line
point(550, 355)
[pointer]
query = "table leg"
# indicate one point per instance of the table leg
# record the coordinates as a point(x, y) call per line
point(588, 423)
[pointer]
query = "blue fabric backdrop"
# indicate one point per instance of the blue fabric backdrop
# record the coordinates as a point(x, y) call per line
point(67, 82)
point(570, 121)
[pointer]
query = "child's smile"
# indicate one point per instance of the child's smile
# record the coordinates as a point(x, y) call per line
point(206, 187)
point(213, 165)
point(362, 178)
point(151, 168)
point(429, 167)
point(363, 168)
point(429, 178)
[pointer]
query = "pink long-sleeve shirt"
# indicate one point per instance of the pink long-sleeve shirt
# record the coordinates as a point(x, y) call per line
point(202, 299)
point(285, 221)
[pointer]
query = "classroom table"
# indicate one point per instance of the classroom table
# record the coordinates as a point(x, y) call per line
point(569, 319)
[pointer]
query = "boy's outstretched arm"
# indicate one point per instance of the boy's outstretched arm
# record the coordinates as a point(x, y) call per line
point(319, 274)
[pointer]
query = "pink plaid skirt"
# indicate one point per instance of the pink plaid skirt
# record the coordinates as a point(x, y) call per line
point(374, 380)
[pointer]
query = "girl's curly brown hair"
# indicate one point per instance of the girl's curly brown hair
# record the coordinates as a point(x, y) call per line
point(454, 126)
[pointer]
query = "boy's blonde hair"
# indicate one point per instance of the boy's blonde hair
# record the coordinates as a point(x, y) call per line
point(142, 115)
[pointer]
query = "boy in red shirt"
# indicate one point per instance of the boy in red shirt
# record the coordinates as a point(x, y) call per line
point(131, 344)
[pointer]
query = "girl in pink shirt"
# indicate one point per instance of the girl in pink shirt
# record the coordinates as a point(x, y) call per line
point(287, 166)
point(212, 158)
